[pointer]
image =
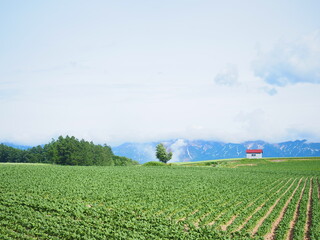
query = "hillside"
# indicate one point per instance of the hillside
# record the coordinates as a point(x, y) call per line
point(245, 162)
point(199, 150)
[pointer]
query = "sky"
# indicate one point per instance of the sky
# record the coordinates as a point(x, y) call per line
point(134, 71)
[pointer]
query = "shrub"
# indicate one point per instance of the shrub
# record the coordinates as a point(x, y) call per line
point(154, 163)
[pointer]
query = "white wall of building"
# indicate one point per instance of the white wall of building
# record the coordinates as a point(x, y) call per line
point(254, 155)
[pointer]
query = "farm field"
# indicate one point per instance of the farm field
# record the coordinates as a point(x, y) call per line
point(237, 199)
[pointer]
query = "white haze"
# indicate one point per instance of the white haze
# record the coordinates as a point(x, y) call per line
point(123, 71)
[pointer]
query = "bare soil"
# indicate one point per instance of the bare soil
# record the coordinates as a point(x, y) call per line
point(275, 224)
point(225, 226)
point(211, 223)
point(296, 214)
point(242, 165)
point(258, 208)
point(184, 218)
point(275, 185)
point(181, 219)
point(318, 189)
point(284, 160)
point(309, 214)
point(196, 223)
point(255, 229)
point(195, 211)
point(186, 227)
point(283, 186)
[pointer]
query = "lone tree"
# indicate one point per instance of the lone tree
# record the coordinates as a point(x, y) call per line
point(162, 154)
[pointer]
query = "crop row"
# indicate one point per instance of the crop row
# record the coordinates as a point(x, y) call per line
point(60, 202)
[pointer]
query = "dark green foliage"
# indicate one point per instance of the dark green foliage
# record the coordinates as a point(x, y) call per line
point(66, 151)
point(123, 161)
point(162, 154)
point(10, 154)
point(153, 163)
point(71, 151)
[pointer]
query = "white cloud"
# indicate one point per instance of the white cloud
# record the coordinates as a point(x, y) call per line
point(291, 62)
point(107, 113)
point(177, 150)
point(136, 75)
point(270, 91)
point(228, 76)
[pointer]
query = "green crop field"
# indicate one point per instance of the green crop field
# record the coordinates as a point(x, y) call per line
point(235, 199)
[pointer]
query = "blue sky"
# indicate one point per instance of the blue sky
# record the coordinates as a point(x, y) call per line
point(117, 71)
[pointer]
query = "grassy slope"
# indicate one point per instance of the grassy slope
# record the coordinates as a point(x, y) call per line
point(244, 162)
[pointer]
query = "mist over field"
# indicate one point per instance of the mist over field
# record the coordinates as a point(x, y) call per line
point(122, 71)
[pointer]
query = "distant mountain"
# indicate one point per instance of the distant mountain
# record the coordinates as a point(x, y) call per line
point(198, 150)
point(22, 147)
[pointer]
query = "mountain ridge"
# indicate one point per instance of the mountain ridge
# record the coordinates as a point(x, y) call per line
point(199, 150)
point(17, 146)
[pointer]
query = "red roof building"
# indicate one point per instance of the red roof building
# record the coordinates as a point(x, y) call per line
point(254, 153)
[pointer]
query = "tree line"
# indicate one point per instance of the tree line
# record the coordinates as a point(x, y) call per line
point(66, 151)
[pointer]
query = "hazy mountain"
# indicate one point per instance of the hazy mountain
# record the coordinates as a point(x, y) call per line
point(22, 147)
point(198, 150)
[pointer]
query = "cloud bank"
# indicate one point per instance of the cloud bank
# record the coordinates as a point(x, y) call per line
point(228, 76)
point(116, 72)
point(177, 149)
point(291, 63)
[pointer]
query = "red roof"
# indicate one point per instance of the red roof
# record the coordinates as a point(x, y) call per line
point(254, 151)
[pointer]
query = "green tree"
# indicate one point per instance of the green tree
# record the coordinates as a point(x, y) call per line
point(66, 151)
point(162, 154)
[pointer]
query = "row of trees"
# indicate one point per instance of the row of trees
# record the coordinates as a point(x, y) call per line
point(66, 151)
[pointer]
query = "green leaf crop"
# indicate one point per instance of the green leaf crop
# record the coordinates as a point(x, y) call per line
point(74, 202)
